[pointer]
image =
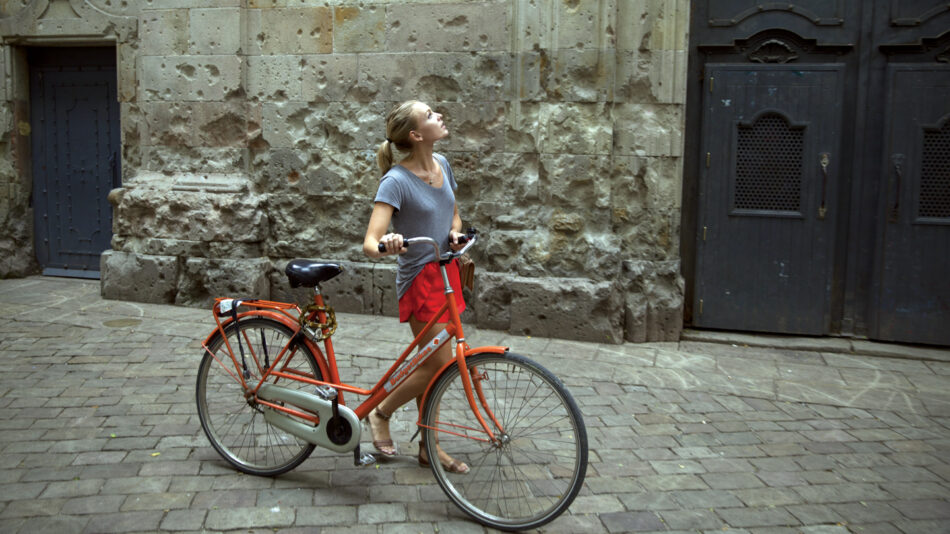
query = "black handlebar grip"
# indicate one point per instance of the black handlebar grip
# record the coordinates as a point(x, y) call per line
point(381, 247)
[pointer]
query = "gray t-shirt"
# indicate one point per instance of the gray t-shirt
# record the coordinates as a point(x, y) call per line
point(421, 210)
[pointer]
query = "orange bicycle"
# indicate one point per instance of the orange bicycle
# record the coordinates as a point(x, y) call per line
point(267, 396)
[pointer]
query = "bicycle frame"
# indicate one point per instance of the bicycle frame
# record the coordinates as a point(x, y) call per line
point(402, 368)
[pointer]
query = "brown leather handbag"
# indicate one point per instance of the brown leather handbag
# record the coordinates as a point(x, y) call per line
point(467, 271)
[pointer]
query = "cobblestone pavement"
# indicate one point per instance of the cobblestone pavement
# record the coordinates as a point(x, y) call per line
point(99, 433)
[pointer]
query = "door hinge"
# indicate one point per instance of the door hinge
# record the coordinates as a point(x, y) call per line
point(700, 306)
point(708, 159)
point(711, 81)
point(704, 233)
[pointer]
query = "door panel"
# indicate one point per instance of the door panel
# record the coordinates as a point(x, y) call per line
point(771, 135)
point(75, 150)
point(914, 300)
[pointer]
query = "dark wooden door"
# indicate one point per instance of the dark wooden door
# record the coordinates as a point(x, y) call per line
point(914, 299)
point(771, 144)
point(75, 148)
point(862, 87)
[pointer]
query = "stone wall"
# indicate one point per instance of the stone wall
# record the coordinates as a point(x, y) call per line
point(249, 130)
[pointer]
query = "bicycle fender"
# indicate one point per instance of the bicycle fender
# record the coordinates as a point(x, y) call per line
point(286, 321)
point(490, 349)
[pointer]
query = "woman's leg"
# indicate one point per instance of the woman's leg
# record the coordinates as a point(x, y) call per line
point(413, 387)
point(440, 358)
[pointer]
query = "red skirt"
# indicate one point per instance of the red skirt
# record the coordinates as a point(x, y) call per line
point(427, 294)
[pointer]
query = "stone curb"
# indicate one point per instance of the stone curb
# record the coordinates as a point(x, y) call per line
point(820, 344)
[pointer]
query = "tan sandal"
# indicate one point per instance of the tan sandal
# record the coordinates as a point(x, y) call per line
point(386, 447)
point(454, 466)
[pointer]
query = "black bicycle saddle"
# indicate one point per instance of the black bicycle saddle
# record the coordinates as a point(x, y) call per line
point(307, 273)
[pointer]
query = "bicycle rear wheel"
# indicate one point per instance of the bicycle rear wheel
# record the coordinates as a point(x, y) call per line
point(235, 425)
point(536, 469)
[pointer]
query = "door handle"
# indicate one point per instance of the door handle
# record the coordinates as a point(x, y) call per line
point(823, 159)
point(898, 162)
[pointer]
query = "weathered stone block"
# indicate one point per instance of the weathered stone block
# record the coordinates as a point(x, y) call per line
point(184, 78)
point(523, 127)
point(524, 77)
point(475, 126)
point(334, 127)
point(577, 183)
point(433, 77)
point(653, 234)
point(138, 277)
point(653, 304)
point(496, 177)
point(157, 246)
point(150, 212)
point(645, 200)
point(652, 25)
point(178, 4)
point(575, 128)
point(385, 301)
point(353, 290)
point(584, 24)
point(133, 132)
point(449, 27)
point(204, 279)
point(281, 167)
point(344, 175)
point(285, 124)
point(16, 250)
point(164, 33)
point(125, 9)
point(215, 30)
point(197, 124)
point(127, 78)
point(657, 76)
point(334, 175)
point(573, 308)
point(297, 30)
point(193, 160)
point(274, 77)
point(325, 226)
point(648, 129)
point(639, 183)
point(492, 303)
point(328, 78)
point(269, 4)
point(579, 75)
point(359, 28)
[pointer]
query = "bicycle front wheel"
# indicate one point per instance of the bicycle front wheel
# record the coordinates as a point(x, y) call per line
point(536, 467)
point(235, 424)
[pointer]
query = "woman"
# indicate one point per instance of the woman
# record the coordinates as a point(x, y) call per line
point(417, 196)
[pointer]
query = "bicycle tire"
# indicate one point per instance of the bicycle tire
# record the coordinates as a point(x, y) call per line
point(235, 426)
point(538, 470)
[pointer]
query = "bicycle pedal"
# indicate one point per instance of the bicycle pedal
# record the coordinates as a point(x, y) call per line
point(325, 392)
point(362, 459)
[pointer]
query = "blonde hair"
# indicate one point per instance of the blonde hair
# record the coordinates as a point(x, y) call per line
point(399, 123)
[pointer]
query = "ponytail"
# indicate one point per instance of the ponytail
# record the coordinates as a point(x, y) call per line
point(384, 157)
point(399, 123)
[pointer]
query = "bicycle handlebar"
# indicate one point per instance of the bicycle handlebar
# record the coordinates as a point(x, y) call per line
point(468, 240)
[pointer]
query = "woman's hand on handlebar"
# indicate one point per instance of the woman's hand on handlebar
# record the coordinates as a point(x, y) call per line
point(392, 244)
point(457, 240)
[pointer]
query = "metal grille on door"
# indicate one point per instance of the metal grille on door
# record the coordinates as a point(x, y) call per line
point(769, 165)
point(935, 174)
